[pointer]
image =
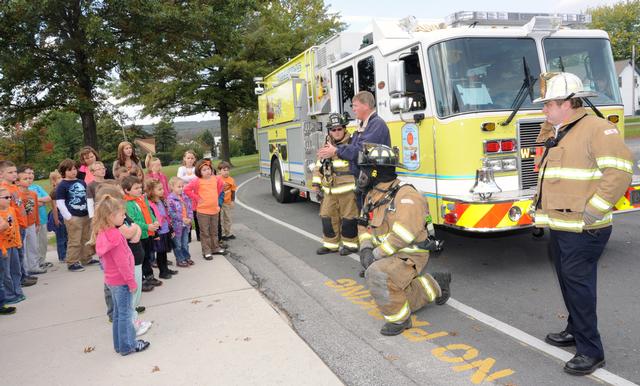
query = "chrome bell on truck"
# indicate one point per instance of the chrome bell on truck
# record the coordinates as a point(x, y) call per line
point(485, 184)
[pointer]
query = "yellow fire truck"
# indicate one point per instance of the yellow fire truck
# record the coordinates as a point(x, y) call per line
point(457, 97)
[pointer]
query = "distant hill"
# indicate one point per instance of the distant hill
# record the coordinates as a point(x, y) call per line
point(188, 130)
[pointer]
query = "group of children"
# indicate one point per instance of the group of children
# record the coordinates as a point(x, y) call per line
point(131, 223)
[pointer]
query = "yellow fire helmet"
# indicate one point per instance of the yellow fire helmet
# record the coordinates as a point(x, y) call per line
point(561, 86)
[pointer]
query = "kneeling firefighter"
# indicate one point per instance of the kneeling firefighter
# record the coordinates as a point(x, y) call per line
point(394, 241)
point(336, 185)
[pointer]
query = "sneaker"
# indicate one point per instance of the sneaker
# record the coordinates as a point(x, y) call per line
point(140, 309)
point(190, 262)
point(183, 264)
point(165, 275)
point(142, 345)
point(75, 267)
point(15, 300)
point(142, 327)
point(29, 281)
point(93, 262)
point(7, 310)
point(147, 287)
point(38, 271)
point(208, 256)
point(46, 265)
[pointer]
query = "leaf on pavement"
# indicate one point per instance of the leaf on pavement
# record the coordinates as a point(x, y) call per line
point(196, 301)
point(89, 349)
point(155, 369)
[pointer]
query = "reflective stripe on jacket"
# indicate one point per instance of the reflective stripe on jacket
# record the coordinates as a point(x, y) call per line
point(341, 180)
point(590, 169)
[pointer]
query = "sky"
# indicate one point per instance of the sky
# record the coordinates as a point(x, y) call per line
point(358, 15)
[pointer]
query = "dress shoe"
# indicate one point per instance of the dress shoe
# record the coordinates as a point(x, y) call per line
point(208, 256)
point(583, 365)
point(560, 339)
point(324, 251)
point(164, 275)
point(147, 287)
point(155, 282)
point(391, 329)
point(443, 279)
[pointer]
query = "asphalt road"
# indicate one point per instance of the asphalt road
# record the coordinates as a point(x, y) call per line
point(503, 286)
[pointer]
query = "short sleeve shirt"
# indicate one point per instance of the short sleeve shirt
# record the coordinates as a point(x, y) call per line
point(42, 209)
point(74, 194)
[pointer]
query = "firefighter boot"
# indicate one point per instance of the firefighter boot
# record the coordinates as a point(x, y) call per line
point(345, 251)
point(324, 250)
point(392, 329)
point(443, 279)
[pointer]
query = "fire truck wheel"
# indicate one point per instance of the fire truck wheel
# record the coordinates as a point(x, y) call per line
point(280, 191)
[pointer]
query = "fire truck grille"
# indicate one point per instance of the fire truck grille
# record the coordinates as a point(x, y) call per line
point(527, 133)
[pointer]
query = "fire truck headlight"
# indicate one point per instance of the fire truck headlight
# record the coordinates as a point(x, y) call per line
point(515, 213)
point(509, 164)
point(494, 164)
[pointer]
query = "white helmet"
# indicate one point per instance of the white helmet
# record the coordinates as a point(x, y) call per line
point(561, 86)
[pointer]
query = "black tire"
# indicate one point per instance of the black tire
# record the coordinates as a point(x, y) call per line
point(279, 190)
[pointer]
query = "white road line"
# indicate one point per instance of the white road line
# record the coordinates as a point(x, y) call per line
point(505, 328)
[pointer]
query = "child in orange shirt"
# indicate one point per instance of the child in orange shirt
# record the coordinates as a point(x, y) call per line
point(204, 192)
point(10, 242)
point(230, 189)
point(30, 240)
point(8, 177)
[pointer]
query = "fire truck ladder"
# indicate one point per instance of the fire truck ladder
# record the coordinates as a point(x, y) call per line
point(309, 62)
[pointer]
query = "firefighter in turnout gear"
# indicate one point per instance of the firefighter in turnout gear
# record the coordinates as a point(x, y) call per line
point(583, 172)
point(394, 242)
point(336, 184)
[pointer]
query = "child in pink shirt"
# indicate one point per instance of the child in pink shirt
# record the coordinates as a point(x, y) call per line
point(117, 261)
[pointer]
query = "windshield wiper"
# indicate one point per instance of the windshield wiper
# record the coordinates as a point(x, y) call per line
point(526, 88)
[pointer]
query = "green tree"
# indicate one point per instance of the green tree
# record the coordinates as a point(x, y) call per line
point(208, 65)
point(622, 22)
point(208, 140)
point(61, 54)
point(165, 135)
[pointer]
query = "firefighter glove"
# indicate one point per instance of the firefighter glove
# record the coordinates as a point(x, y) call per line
point(589, 216)
point(366, 257)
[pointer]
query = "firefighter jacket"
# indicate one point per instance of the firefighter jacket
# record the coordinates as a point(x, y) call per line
point(589, 170)
point(398, 225)
point(333, 175)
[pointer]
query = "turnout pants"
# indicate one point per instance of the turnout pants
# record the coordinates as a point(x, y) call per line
point(576, 258)
point(397, 287)
point(338, 213)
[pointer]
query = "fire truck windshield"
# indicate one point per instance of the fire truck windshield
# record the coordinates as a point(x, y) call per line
point(480, 74)
point(591, 60)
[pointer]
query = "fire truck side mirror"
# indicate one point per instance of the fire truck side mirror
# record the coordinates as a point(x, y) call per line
point(397, 81)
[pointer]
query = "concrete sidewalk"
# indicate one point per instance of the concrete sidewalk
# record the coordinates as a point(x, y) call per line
point(211, 327)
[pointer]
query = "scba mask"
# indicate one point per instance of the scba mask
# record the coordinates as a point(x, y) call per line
point(367, 178)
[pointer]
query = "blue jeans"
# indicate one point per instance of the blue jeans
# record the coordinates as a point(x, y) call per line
point(12, 275)
point(181, 245)
point(61, 241)
point(2, 259)
point(124, 334)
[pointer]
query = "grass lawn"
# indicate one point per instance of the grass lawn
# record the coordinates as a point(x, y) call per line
point(243, 164)
point(632, 127)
